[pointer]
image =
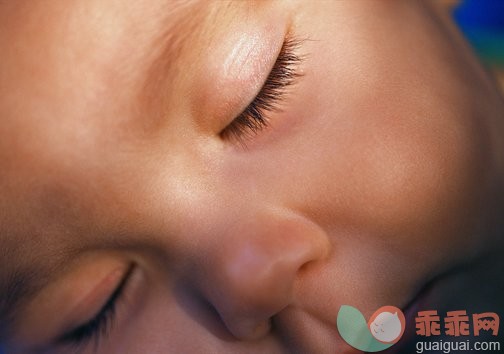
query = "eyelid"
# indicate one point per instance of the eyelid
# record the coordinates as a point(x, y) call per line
point(99, 325)
point(234, 71)
point(75, 293)
point(272, 93)
point(95, 297)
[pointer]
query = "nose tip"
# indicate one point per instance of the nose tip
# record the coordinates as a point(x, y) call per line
point(256, 272)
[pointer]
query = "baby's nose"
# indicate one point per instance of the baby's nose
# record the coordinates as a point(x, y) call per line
point(254, 270)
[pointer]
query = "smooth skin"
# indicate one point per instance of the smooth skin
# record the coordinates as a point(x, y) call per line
point(383, 169)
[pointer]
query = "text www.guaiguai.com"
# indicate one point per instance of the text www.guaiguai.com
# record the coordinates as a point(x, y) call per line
point(456, 346)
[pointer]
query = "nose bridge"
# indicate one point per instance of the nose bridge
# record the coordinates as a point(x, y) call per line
point(255, 266)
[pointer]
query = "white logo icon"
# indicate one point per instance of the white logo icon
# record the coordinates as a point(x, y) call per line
point(386, 327)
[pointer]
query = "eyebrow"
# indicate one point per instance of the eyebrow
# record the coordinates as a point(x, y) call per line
point(168, 46)
point(176, 38)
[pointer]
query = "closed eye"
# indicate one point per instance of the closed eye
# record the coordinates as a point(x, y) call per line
point(255, 116)
point(99, 326)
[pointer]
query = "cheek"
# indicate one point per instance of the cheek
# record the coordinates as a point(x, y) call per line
point(376, 145)
point(393, 168)
point(405, 173)
point(406, 177)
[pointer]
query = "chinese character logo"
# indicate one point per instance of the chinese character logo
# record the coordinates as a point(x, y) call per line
point(456, 323)
point(384, 328)
point(487, 321)
point(427, 323)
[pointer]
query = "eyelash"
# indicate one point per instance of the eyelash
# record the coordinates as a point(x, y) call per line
point(283, 75)
point(100, 325)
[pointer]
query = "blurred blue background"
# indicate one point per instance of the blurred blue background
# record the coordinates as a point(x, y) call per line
point(482, 22)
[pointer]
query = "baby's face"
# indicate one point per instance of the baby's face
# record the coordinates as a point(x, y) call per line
point(136, 173)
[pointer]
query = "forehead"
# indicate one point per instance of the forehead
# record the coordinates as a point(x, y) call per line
point(79, 51)
point(70, 72)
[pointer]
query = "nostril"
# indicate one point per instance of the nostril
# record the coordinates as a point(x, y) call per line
point(305, 266)
point(260, 329)
point(249, 329)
